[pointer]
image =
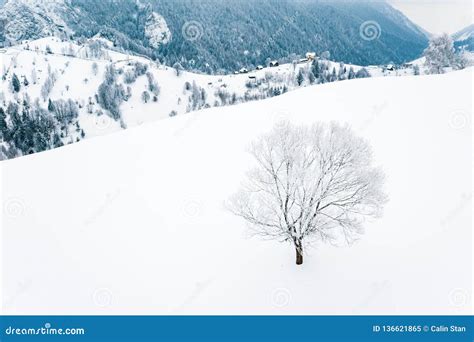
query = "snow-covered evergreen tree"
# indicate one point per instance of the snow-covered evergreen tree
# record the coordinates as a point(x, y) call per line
point(178, 68)
point(152, 84)
point(3, 124)
point(362, 73)
point(110, 93)
point(351, 75)
point(16, 86)
point(145, 96)
point(300, 77)
point(440, 54)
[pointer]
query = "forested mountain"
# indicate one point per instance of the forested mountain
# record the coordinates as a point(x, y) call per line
point(221, 36)
point(465, 38)
point(247, 32)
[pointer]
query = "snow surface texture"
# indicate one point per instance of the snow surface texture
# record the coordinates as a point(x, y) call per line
point(134, 222)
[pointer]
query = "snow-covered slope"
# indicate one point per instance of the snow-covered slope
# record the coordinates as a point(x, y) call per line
point(72, 67)
point(134, 222)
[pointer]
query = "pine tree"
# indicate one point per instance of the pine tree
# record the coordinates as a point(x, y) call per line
point(3, 124)
point(300, 78)
point(178, 68)
point(333, 75)
point(416, 70)
point(341, 75)
point(362, 73)
point(50, 106)
point(110, 93)
point(13, 113)
point(145, 96)
point(16, 83)
point(26, 101)
point(351, 74)
point(315, 70)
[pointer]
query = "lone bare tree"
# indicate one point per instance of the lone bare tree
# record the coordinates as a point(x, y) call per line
point(309, 184)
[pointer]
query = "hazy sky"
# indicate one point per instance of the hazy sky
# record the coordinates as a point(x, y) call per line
point(437, 16)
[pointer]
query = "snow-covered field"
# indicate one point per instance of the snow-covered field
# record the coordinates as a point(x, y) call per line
point(134, 222)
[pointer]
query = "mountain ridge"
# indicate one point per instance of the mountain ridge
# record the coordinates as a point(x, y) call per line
point(228, 35)
point(465, 38)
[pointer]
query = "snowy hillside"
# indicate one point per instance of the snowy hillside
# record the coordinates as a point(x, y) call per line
point(134, 222)
point(65, 82)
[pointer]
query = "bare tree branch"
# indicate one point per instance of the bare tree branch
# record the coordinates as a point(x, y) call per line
point(309, 184)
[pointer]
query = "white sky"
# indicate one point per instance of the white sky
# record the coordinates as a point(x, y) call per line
point(437, 16)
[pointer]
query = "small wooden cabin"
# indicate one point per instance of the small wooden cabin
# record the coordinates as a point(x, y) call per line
point(310, 56)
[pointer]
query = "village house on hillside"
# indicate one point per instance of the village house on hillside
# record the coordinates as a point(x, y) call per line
point(310, 56)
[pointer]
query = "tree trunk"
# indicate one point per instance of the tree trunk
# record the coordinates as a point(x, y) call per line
point(299, 254)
